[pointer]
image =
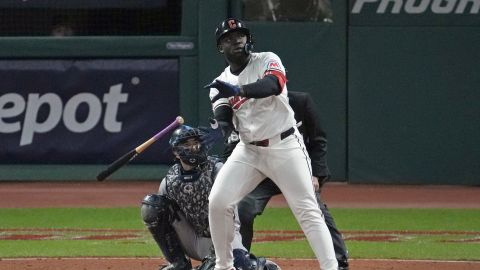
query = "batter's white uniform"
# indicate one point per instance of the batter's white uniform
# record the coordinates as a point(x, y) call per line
point(285, 161)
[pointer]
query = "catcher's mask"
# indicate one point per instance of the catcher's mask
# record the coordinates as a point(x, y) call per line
point(187, 143)
point(230, 25)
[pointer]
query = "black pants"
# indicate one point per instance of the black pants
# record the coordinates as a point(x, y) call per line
point(255, 202)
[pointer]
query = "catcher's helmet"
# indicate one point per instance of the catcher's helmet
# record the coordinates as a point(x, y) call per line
point(230, 25)
point(190, 155)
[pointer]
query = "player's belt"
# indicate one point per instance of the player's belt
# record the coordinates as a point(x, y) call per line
point(266, 142)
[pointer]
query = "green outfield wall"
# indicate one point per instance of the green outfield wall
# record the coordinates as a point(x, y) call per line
point(396, 84)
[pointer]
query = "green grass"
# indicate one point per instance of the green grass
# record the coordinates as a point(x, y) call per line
point(79, 248)
point(409, 220)
point(382, 219)
point(443, 245)
point(99, 218)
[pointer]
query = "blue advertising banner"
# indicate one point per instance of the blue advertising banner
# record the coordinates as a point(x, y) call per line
point(85, 111)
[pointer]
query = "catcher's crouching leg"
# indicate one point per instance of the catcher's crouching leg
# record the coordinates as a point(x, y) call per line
point(158, 214)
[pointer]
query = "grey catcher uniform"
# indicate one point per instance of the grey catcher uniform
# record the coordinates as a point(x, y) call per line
point(252, 89)
point(191, 198)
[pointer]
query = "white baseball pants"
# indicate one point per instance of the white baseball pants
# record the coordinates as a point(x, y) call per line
point(287, 163)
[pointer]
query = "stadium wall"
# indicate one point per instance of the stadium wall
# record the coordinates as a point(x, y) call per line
point(396, 86)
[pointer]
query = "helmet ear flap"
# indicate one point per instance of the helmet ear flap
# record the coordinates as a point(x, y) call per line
point(248, 47)
point(250, 42)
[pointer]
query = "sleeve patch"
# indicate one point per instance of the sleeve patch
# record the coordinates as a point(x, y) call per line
point(274, 65)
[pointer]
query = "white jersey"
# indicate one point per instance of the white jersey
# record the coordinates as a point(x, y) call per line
point(257, 119)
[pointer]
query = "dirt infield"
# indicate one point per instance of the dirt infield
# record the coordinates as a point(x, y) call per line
point(119, 194)
point(336, 195)
point(153, 263)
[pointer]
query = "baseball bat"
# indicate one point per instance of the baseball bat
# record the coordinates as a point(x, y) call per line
point(123, 160)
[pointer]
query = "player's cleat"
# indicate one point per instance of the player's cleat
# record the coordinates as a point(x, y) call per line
point(269, 265)
point(208, 263)
point(182, 265)
point(343, 265)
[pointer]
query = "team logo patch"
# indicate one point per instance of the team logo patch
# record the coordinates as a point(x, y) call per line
point(274, 65)
point(188, 189)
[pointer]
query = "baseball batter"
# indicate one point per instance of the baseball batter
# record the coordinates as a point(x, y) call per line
point(252, 93)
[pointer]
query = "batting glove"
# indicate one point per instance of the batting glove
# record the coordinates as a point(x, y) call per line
point(225, 89)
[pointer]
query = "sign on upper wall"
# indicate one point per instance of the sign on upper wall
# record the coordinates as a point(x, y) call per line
point(414, 12)
point(85, 111)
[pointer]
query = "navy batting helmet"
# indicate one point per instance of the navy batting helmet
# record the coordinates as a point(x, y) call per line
point(230, 25)
point(190, 155)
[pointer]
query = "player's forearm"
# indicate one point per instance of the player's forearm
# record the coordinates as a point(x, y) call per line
point(265, 87)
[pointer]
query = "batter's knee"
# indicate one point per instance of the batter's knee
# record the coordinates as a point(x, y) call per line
point(217, 201)
point(221, 208)
point(309, 218)
point(215, 206)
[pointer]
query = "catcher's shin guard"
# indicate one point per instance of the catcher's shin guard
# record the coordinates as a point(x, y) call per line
point(170, 246)
point(157, 217)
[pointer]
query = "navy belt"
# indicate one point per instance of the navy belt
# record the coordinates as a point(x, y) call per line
point(266, 142)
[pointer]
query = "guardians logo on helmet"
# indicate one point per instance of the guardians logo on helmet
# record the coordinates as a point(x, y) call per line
point(230, 25)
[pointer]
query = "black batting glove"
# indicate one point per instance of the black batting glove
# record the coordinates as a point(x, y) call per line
point(225, 89)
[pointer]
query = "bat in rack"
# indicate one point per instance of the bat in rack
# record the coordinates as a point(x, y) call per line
point(125, 159)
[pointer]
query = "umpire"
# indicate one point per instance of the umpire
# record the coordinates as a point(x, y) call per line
point(316, 142)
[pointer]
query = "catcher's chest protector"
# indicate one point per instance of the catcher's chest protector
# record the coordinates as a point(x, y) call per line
point(191, 195)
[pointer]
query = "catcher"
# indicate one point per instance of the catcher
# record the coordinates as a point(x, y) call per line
point(177, 217)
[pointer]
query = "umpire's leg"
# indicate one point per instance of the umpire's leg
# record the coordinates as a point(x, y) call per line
point(253, 205)
point(341, 252)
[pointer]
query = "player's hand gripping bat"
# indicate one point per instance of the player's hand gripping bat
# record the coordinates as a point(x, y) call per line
point(117, 164)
